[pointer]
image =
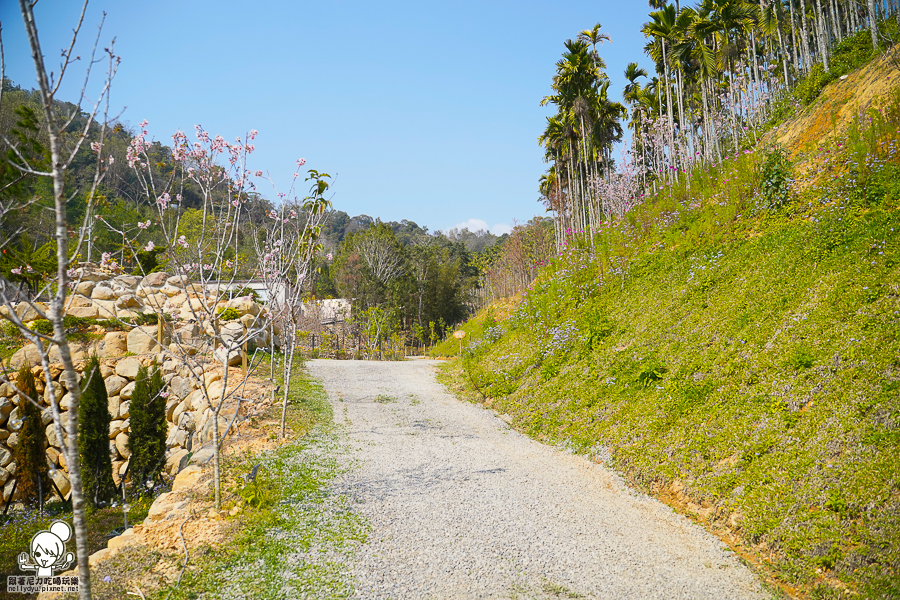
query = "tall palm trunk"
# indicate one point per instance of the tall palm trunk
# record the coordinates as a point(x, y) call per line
point(805, 31)
point(794, 37)
point(668, 105)
point(821, 34)
point(873, 27)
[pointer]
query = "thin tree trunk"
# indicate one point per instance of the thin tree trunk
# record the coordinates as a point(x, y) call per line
point(57, 308)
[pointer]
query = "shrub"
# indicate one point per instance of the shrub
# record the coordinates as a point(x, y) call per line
point(31, 467)
point(809, 87)
point(244, 291)
point(93, 437)
point(42, 326)
point(148, 260)
point(775, 179)
point(73, 322)
point(147, 441)
point(228, 314)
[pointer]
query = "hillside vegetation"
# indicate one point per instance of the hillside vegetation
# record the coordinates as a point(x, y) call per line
point(731, 346)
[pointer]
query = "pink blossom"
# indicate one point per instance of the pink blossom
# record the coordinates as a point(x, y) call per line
point(301, 162)
point(17, 270)
point(96, 146)
point(149, 247)
point(253, 133)
point(258, 173)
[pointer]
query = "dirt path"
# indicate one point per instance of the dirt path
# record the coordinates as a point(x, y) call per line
point(463, 507)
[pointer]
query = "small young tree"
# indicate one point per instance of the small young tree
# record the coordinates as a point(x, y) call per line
point(31, 468)
point(147, 441)
point(93, 436)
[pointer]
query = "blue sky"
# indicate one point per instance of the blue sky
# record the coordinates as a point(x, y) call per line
point(424, 111)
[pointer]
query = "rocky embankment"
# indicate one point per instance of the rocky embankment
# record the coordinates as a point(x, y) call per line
point(191, 358)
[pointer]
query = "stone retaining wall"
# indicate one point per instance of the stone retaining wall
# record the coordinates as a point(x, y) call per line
point(187, 413)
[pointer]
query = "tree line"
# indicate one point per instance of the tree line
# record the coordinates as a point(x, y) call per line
point(723, 70)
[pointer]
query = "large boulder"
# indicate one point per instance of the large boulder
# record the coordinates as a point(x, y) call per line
point(8, 489)
point(52, 438)
point(128, 301)
point(56, 389)
point(155, 280)
point(127, 281)
point(244, 305)
point(142, 341)
point(85, 288)
point(173, 462)
point(231, 330)
point(116, 427)
point(55, 356)
point(103, 292)
point(177, 411)
point(61, 481)
point(157, 301)
point(180, 387)
point(170, 290)
point(76, 300)
point(114, 403)
point(128, 367)
point(88, 272)
point(177, 300)
point(230, 357)
point(28, 312)
point(85, 312)
point(114, 384)
point(27, 355)
point(106, 309)
point(113, 344)
point(122, 445)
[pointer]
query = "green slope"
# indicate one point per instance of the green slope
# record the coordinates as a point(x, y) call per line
point(742, 362)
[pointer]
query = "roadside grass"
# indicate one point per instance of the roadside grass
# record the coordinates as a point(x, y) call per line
point(739, 358)
point(294, 536)
point(19, 527)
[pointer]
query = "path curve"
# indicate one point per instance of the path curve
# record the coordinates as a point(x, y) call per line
point(461, 506)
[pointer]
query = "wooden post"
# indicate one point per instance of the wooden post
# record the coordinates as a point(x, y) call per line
point(244, 351)
point(159, 329)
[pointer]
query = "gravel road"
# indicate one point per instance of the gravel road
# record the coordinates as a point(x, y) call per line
point(461, 506)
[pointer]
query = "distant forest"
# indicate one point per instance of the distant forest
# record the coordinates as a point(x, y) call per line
point(420, 279)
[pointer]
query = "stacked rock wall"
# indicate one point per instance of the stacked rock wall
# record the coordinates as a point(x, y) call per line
point(107, 296)
point(187, 412)
point(103, 295)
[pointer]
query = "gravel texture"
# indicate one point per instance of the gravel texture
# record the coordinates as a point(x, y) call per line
point(461, 506)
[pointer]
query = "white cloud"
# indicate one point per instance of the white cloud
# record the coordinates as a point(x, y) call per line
point(480, 225)
point(472, 225)
point(501, 228)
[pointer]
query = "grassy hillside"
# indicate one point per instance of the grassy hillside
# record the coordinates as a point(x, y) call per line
point(732, 346)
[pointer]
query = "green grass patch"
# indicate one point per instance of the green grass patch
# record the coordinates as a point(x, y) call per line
point(20, 526)
point(295, 536)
